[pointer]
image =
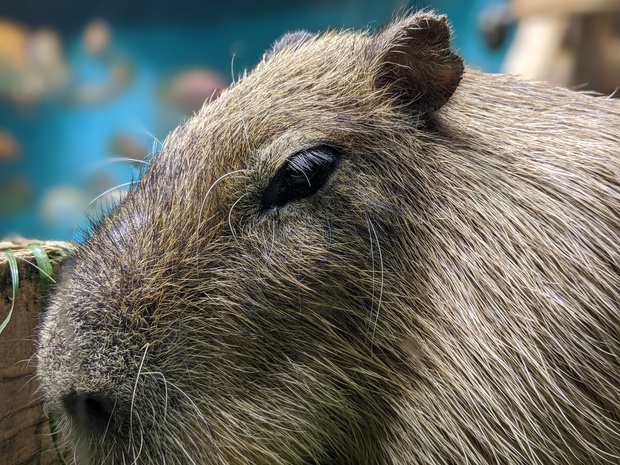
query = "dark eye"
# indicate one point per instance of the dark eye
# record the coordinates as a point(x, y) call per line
point(304, 174)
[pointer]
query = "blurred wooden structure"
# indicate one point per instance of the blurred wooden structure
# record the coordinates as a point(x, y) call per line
point(24, 428)
point(570, 43)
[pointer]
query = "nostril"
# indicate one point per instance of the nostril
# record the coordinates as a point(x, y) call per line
point(89, 411)
point(95, 411)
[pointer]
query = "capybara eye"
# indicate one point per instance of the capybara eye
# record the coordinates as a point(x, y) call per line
point(301, 176)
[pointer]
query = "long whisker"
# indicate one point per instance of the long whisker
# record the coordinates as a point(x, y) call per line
point(230, 214)
point(113, 160)
point(232, 68)
point(107, 426)
point(135, 387)
point(372, 265)
point(141, 446)
point(111, 190)
point(217, 181)
point(375, 317)
point(110, 450)
point(142, 129)
point(183, 393)
point(126, 160)
point(180, 446)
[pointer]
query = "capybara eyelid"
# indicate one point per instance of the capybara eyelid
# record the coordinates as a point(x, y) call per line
point(301, 176)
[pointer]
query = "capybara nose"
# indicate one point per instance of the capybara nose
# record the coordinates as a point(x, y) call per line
point(89, 411)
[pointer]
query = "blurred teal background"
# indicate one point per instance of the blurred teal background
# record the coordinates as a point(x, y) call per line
point(84, 86)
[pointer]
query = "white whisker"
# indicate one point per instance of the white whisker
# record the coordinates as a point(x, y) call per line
point(232, 68)
point(180, 446)
point(110, 190)
point(126, 160)
point(373, 233)
point(230, 214)
point(217, 181)
point(178, 389)
point(107, 426)
point(141, 445)
point(135, 387)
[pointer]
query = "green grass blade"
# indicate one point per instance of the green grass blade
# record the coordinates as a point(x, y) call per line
point(43, 262)
point(46, 271)
point(15, 279)
point(55, 440)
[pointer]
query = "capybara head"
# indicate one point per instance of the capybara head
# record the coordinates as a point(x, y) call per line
point(361, 253)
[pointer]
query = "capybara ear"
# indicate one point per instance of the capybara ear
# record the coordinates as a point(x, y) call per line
point(414, 62)
point(287, 40)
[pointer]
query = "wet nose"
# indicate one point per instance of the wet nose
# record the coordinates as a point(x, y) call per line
point(90, 411)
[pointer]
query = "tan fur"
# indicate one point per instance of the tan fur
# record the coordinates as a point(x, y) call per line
point(451, 295)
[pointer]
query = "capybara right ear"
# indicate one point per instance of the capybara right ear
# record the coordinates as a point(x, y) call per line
point(414, 63)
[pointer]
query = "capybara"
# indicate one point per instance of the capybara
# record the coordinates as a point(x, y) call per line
point(360, 253)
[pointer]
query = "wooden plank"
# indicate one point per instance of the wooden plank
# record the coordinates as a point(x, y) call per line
point(525, 8)
point(24, 430)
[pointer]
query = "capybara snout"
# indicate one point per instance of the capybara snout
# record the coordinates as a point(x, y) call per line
point(362, 252)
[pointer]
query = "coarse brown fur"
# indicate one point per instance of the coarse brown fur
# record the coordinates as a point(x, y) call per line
point(450, 295)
